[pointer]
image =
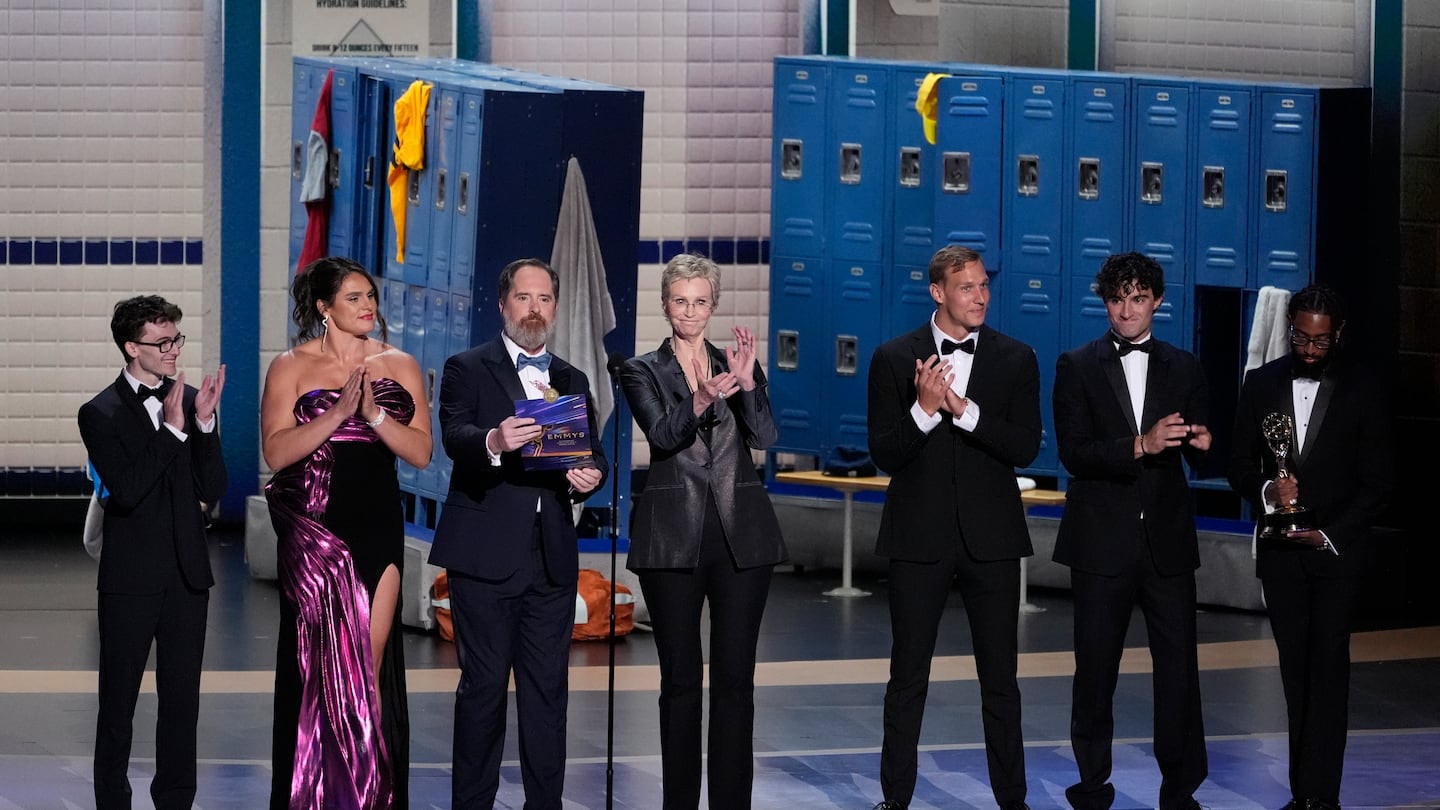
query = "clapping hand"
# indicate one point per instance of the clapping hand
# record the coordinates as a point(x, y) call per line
point(932, 381)
point(207, 399)
point(352, 395)
point(172, 408)
point(742, 358)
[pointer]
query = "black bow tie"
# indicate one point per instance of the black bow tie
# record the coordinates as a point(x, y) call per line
point(144, 392)
point(949, 346)
point(1126, 347)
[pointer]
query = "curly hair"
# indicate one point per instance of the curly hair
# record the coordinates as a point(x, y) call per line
point(1123, 272)
point(131, 315)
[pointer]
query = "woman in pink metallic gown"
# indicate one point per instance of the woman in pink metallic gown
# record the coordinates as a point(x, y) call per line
point(337, 410)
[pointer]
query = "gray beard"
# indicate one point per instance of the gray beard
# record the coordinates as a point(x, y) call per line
point(527, 337)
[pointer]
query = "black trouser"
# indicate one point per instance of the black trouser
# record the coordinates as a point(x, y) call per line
point(675, 598)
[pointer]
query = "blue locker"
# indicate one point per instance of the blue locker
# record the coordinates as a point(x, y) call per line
point(857, 296)
point(392, 303)
point(1312, 164)
point(798, 175)
point(432, 362)
point(1097, 178)
point(1088, 319)
point(345, 186)
point(413, 326)
point(1032, 314)
point(389, 79)
point(969, 150)
point(443, 165)
point(372, 207)
point(509, 140)
point(856, 159)
point(913, 172)
point(1224, 139)
point(1163, 174)
point(307, 76)
point(799, 355)
point(908, 291)
point(1033, 172)
point(1285, 192)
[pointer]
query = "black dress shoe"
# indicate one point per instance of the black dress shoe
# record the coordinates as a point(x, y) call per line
point(889, 805)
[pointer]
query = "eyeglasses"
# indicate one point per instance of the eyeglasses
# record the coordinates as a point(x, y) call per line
point(1321, 342)
point(177, 342)
point(700, 304)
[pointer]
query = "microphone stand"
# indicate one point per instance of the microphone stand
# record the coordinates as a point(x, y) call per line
point(616, 362)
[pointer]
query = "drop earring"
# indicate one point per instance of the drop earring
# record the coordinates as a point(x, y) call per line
point(325, 323)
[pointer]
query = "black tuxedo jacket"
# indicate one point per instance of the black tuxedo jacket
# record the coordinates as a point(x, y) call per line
point(950, 481)
point(1118, 507)
point(690, 461)
point(485, 527)
point(1345, 470)
point(157, 484)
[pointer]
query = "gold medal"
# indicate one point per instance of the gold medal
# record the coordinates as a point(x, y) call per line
point(551, 394)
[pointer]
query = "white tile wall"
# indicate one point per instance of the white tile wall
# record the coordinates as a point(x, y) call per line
point(101, 138)
point(1296, 40)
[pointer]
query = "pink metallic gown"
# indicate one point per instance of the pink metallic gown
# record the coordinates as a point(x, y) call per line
point(341, 735)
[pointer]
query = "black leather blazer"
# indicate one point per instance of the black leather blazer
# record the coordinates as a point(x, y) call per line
point(692, 457)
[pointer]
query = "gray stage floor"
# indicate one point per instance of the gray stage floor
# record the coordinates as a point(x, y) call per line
point(818, 726)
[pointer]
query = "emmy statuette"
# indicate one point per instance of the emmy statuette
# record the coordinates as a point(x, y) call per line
point(1279, 432)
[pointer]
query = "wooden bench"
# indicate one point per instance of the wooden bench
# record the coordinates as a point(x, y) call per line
point(847, 487)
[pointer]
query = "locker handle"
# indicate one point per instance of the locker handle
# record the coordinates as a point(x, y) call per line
point(787, 349)
point(297, 160)
point(1152, 183)
point(1213, 183)
point(847, 355)
point(910, 166)
point(792, 165)
point(1276, 190)
point(412, 191)
point(462, 205)
point(430, 387)
point(370, 172)
point(956, 168)
point(850, 163)
point(1087, 185)
point(1027, 176)
point(334, 168)
point(440, 191)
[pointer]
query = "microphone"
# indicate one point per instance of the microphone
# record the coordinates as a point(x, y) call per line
point(615, 362)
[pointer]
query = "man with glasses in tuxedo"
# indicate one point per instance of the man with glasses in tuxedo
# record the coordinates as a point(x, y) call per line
point(1339, 465)
point(153, 440)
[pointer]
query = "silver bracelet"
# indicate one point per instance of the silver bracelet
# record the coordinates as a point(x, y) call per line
point(375, 423)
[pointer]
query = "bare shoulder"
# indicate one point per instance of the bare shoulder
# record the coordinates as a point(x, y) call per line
point(392, 362)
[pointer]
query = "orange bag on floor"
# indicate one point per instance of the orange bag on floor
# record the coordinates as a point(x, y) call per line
point(593, 592)
point(440, 598)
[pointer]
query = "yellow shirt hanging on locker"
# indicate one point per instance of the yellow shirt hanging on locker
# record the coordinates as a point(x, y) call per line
point(408, 155)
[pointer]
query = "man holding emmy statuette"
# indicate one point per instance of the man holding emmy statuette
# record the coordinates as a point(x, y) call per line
point(513, 418)
point(1313, 456)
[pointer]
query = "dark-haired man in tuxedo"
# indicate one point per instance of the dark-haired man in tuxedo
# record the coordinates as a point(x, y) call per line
point(1128, 409)
point(507, 541)
point(154, 443)
point(954, 409)
point(1340, 467)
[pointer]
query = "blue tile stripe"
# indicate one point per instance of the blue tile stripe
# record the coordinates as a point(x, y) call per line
point(50, 251)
